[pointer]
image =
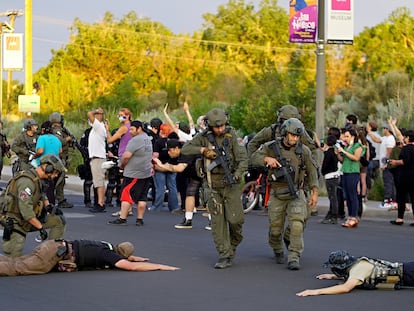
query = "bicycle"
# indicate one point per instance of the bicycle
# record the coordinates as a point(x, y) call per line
point(255, 193)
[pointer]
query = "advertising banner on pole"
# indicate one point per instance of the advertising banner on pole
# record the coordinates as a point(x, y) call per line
point(13, 51)
point(340, 22)
point(29, 103)
point(303, 21)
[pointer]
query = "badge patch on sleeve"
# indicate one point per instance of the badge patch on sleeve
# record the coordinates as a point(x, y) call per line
point(25, 194)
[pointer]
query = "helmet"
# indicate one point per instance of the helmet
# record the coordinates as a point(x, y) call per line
point(286, 112)
point(292, 126)
point(28, 123)
point(53, 163)
point(155, 123)
point(216, 117)
point(339, 262)
point(55, 117)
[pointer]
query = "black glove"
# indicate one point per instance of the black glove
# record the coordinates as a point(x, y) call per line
point(58, 211)
point(49, 208)
point(43, 234)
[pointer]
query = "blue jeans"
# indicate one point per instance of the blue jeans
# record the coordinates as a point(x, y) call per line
point(162, 180)
point(350, 186)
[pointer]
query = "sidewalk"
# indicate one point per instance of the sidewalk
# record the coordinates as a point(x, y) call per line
point(371, 212)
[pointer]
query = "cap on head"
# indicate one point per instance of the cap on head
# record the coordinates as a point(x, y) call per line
point(125, 249)
point(286, 112)
point(55, 163)
point(173, 143)
point(293, 126)
point(55, 117)
point(216, 117)
point(28, 123)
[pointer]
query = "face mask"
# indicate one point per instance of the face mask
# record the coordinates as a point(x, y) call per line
point(122, 118)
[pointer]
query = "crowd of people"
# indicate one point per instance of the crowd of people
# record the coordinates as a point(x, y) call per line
point(202, 164)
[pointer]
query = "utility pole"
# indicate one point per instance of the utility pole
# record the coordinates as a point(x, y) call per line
point(28, 50)
point(320, 72)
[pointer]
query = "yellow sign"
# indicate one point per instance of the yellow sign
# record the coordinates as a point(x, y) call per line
point(29, 103)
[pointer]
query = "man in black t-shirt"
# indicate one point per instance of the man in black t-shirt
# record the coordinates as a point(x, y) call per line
point(67, 256)
point(187, 166)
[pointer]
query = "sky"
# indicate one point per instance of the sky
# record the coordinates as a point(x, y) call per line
point(52, 18)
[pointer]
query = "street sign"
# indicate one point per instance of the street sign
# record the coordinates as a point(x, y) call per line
point(29, 103)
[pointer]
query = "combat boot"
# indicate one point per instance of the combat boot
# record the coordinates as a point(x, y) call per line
point(64, 204)
point(223, 263)
point(280, 258)
point(293, 265)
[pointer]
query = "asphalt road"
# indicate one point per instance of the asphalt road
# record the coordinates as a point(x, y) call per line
point(255, 282)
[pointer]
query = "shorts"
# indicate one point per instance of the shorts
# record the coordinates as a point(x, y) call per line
point(193, 187)
point(98, 173)
point(135, 190)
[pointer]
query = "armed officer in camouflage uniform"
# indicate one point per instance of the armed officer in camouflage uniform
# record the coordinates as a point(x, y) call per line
point(272, 132)
point(362, 272)
point(225, 162)
point(26, 207)
point(56, 120)
point(24, 146)
point(289, 161)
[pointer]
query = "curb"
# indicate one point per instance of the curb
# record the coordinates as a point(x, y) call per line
point(371, 211)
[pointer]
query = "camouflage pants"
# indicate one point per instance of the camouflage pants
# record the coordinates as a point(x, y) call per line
point(41, 260)
point(14, 247)
point(294, 211)
point(227, 219)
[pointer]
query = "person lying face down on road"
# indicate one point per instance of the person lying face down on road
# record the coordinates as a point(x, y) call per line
point(362, 272)
point(66, 256)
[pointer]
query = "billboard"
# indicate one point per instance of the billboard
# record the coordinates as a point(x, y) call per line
point(13, 51)
point(303, 21)
point(340, 22)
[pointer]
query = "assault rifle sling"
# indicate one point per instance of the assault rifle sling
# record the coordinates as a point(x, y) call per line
point(283, 162)
point(223, 158)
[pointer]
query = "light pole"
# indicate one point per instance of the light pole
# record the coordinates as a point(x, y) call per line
point(320, 72)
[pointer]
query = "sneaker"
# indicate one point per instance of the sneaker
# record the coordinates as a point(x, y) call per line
point(177, 211)
point(185, 224)
point(331, 220)
point(118, 221)
point(280, 258)
point(64, 204)
point(88, 205)
point(223, 263)
point(98, 209)
point(139, 222)
point(314, 213)
point(386, 204)
point(208, 227)
point(293, 265)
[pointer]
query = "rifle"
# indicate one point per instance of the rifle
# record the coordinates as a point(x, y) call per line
point(223, 159)
point(75, 144)
point(283, 169)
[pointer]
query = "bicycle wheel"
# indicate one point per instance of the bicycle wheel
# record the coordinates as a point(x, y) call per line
point(249, 196)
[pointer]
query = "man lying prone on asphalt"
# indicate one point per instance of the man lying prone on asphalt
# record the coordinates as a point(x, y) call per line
point(66, 256)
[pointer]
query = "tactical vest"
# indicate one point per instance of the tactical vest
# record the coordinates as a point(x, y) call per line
point(10, 196)
point(87, 252)
point(383, 272)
